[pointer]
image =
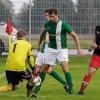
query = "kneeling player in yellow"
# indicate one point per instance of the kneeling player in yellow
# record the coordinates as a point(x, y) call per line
point(19, 51)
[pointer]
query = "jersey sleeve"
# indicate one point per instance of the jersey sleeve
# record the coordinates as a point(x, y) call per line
point(30, 51)
point(31, 60)
point(45, 26)
point(67, 27)
point(9, 41)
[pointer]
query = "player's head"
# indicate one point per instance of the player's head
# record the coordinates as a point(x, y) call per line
point(97, 29)
point(46, 14)
point(21, 34)
point(53, 14)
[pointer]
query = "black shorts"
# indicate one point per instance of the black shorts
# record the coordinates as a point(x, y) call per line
point(13, 77)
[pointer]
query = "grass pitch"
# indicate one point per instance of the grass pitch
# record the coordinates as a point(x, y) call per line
point(53, 90)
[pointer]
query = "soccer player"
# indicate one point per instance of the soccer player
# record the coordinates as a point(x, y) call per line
point(15, 64)
point(94, 62)
point(39, 60)
point(57, 46)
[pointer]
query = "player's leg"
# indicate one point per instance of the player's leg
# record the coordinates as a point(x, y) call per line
point(29, 88)
point(63, 59)
point(94, 64)
point(42, 75)
point(7, 87)
point(50, 59)
point(68, 76)
point(28, 76)
point(86, 79)
point(55, 75)
point(16, 77)
point(38, 64)
point(13, 81)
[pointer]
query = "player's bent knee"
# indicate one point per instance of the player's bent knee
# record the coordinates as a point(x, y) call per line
point(91, 71)
point(48, 70)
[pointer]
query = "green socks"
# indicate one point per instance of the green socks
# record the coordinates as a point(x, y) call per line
point(37, 88)
point(57, 77)
point(68, 78)
point(42, 76)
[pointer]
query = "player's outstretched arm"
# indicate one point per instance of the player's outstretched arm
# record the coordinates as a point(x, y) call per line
point(42, 37)
point(76, 39)
point(93, 45)
point(9, 40)
point(31, 60)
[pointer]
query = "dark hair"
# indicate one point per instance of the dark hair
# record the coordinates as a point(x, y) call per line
point(53, 11)
point(21, 34)
point(46, 11)
point(97, 28)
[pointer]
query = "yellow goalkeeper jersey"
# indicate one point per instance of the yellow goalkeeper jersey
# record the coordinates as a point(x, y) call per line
point(18, 52)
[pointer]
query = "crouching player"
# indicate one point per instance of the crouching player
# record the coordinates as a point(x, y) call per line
point(15, 64)
point(94, 62)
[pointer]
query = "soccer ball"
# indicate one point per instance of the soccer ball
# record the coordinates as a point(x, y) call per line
point(37, 81)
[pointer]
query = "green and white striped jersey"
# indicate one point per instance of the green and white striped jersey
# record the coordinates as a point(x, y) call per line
point(57, 34)
point(43, 46)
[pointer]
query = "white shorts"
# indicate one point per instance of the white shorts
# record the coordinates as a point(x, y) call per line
point(39, 59)
point(51, 55)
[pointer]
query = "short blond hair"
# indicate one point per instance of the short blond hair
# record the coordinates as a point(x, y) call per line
point(21, 34)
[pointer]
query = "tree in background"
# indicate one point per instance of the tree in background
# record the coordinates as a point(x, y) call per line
point(6, 10)
point(83, 15)
point(23, 17)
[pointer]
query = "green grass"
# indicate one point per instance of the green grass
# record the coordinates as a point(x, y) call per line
point(52, 90)
point(84, 44)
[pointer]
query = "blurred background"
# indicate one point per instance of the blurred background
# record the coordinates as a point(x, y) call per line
point(83, 15)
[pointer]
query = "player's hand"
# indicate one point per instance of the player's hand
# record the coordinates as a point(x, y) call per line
point(80, 52)
point(94, 46)
point(36, 71)
point(90, 49)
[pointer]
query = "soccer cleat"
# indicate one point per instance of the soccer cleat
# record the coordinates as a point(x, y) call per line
point(70, 89)
point(31, 94)
point(6, 88)
point(36, 89)
point(66, 87)
point(28, 92)
point(80, 92)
